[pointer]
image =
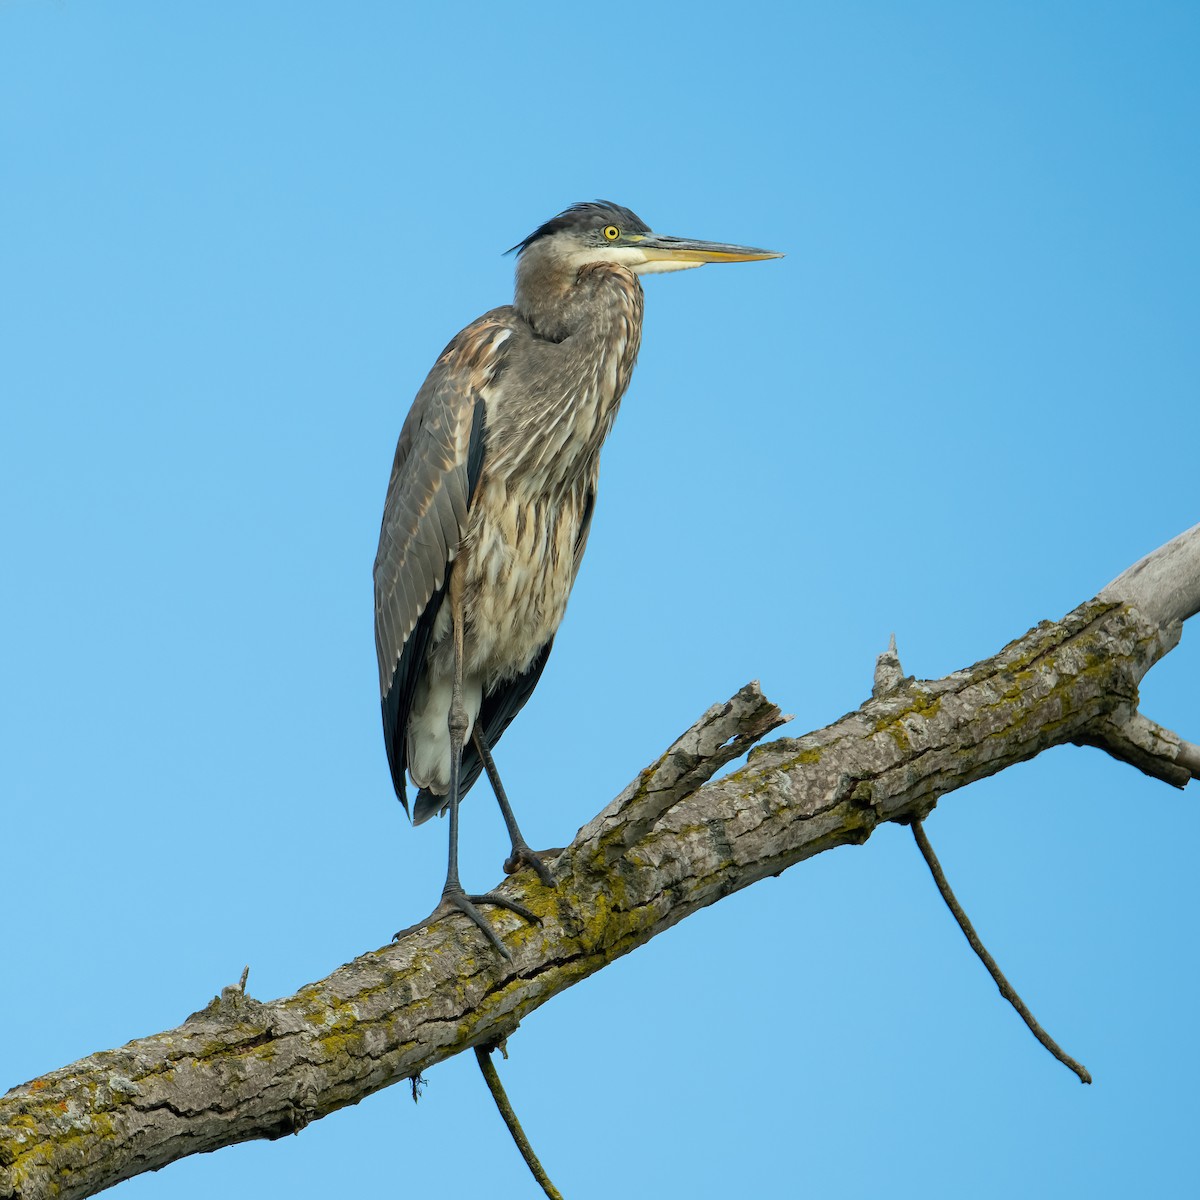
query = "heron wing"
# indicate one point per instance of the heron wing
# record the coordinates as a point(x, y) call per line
point(438, 460)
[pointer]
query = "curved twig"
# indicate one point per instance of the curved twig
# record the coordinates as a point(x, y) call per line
point(1006, 989)
point(492, 1076)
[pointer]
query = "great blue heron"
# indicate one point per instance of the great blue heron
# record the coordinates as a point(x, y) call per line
point(489, 504)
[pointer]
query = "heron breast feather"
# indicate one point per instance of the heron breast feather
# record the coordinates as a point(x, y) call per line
point(520, 565)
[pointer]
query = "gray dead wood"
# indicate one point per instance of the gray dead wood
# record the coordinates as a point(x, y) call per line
point(673, 842)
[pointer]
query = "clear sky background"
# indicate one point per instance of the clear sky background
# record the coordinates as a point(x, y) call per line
point(233, 239)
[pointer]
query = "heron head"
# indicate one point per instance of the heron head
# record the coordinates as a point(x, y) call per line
point(600, 231)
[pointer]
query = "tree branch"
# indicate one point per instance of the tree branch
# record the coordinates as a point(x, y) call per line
point(1165, 585)
point(673, 842)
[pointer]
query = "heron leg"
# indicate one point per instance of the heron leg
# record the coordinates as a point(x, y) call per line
point(453, 894)
point(522, 855)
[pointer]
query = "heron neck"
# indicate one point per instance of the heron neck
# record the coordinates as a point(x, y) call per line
point(558, 301)
point(561, 394)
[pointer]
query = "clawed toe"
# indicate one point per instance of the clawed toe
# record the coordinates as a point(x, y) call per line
point(522, 856)
point(466, 904)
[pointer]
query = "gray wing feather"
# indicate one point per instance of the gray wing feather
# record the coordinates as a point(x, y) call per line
point(413, 547)
point(437, 463)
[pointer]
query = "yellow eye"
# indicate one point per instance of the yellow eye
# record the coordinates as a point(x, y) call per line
point(612, 232)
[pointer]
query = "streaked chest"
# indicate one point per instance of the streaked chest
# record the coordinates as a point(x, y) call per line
point(519, 565)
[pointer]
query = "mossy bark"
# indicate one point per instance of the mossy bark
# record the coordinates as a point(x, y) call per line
point(672, 843)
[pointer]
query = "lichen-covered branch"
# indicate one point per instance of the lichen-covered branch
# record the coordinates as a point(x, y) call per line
point(673, 842)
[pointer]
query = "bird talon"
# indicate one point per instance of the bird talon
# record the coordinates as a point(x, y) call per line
point(459, 901)
point(522, 856)
point(504, 902)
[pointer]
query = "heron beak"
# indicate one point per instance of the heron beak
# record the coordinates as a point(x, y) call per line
point(664, 253)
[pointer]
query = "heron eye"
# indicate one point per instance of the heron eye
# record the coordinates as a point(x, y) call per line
point(612, 232)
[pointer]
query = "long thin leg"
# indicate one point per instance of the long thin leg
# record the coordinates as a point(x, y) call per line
point(457, 723)
point(521, 854)
point(452, 892)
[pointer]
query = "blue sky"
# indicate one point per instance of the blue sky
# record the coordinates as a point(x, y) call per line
point(235, 237)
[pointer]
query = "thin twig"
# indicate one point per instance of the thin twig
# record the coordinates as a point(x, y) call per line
point(490, 1074)
point(1006, 989)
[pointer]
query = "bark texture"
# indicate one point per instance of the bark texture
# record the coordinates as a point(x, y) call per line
point(673, 842)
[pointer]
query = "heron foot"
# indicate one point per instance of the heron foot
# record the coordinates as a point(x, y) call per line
point(523, 856)
point(464, 903)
